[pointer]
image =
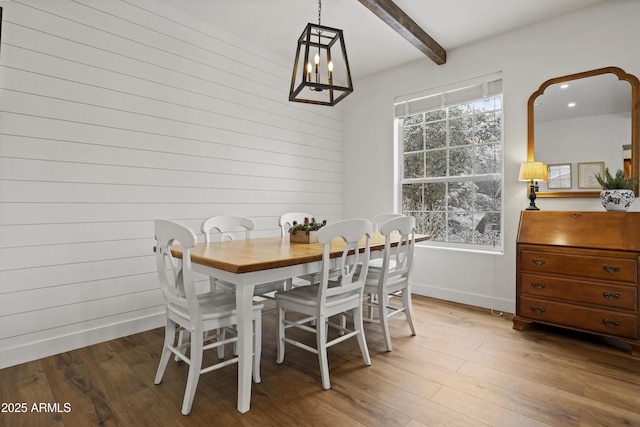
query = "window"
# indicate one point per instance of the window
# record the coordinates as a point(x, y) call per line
point(451, 165)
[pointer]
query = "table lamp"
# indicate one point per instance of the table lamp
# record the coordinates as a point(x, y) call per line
point(533, 172)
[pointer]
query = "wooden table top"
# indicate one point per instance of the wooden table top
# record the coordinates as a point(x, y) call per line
point(244, 256)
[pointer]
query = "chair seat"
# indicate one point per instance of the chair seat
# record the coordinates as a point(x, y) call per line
point(306, 296)
point(377, 264)
point(392, 284)
point(213, 305)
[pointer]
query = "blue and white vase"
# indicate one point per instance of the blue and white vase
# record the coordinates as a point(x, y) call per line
point(616, 200)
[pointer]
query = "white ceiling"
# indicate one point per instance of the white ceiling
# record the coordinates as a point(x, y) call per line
point(372, 46)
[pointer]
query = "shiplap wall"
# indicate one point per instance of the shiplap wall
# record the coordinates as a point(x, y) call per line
point(114, 113)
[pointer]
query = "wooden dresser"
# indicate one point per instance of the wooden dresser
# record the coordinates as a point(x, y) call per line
point(579, 270)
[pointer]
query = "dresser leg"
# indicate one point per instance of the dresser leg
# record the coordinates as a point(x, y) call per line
point(635, 348)
point(519, 323)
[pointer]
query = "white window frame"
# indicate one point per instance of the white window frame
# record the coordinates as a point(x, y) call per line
point(460, 92)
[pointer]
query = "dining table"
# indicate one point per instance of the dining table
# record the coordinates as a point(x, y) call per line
point(247, 263)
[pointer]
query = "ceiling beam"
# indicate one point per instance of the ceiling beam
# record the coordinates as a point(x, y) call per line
point(393, 16)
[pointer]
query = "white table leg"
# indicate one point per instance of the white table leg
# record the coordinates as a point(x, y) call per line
point(244, 303)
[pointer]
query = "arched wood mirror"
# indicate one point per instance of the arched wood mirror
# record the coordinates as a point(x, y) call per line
point(581, 123)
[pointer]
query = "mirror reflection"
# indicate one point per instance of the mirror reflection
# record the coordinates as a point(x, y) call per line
point(559, 176)
point(581, 122)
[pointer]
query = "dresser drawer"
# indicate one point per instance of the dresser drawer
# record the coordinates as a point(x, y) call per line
point(578, 317)
point(590, 266)
point(608, 295)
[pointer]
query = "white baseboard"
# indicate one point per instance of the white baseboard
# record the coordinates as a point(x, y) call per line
point(476, 300)
point(60, 344)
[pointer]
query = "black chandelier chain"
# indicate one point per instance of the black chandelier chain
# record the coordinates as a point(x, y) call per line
point(319, 10)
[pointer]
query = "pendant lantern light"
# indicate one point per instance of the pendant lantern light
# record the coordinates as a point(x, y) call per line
point(321, 72)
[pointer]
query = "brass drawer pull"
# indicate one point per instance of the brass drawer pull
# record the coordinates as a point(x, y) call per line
point(611, 296)
point(611, 323)
point(538, 261)
point(538, 285)
point(611, 268)
point(537, 309)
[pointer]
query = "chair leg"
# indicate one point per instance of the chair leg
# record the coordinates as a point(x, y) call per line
point(257, 347)
point(321, 345)
point(195, 366)
point(280, 334)
point(212, 284)
point(408, 309)
point(222, 334)
point(384, 319)
point(371, 301)
point(288, 284)
point(183, 336)
point(359, 324)
point(169, 337)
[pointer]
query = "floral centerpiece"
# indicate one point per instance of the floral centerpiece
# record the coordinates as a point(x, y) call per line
point(307, 231)
point(617, 191)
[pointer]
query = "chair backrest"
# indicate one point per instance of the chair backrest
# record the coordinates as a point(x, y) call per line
point(382, 218)
point(221, 228)
point(354, 265)
point(175, 275)
point(402, 255)
point(286, 221)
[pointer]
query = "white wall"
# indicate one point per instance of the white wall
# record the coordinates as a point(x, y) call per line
point(112, 114)
point(603, 35)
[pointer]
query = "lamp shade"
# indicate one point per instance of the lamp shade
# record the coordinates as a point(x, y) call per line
point(533, 171)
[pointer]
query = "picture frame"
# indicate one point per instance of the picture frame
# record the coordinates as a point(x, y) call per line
point(587, 172)
point(559, 176)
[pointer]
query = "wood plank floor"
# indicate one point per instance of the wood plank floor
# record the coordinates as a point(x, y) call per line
point(466, 367)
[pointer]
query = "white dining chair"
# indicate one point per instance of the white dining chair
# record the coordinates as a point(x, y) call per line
point(377, 221)
point(392, 280)
point(318, 302)
point(382, 218)
point(197, 313)
point(224, 228)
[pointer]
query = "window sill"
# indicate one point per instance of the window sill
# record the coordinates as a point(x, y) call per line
point(470, 249)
